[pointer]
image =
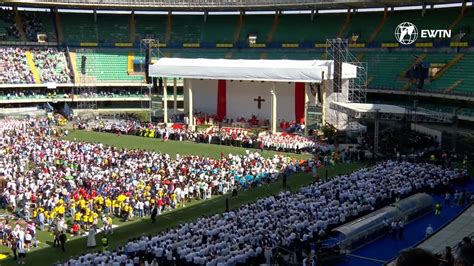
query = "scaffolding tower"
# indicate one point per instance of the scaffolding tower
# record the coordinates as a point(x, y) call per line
point(86, 88)
point(149, 52)
point(337, 50)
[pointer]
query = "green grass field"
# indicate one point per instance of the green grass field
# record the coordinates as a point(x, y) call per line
point(47, 255)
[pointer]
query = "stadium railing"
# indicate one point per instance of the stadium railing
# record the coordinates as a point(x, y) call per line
point(188, 3)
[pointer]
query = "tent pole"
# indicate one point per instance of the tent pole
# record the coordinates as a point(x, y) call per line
point(190, 105)
point(175, 96)
point(165, 101)
point(274, 109)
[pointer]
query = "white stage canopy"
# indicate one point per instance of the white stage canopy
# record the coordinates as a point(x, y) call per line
point(240, 69)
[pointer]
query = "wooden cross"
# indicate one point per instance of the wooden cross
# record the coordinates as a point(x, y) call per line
point(259, 100)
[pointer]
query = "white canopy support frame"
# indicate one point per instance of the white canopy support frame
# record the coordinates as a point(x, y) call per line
point(308, 71)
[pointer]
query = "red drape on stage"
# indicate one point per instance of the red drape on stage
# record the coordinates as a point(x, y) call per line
point(299, 101)
point(221, 99)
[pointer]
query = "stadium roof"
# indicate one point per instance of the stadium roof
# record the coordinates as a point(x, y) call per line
point(217, 5)
point(256, 70)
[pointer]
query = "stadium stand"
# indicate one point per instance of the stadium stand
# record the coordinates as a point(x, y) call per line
point(187, 28)
point(78, 28)
point(429, 20)
point(38, 22)
point(8, 30)
point(386, 69)
point(259, 25)
point(219, 29)
point(457, 74)
point(51, 65)
point(14, 67)
point(150, 26)
point(112, 28)
point(466, 25)
point(360, 26)
point(108, 66)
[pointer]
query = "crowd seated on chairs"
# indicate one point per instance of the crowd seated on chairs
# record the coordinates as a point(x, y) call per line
point(14, 67)
point(253, 232)
point(51, 64)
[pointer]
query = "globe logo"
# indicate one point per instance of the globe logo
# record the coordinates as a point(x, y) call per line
point(406, 33)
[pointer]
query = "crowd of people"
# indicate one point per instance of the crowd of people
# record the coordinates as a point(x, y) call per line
point(52, 65)
point(460, 255)
point(292, 143)
point(14, 67)
point(229, 136)
point(252, 232)
point(46, 179)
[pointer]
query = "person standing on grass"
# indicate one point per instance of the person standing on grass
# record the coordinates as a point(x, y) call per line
point(14, 247)
point(154, 212)
point(91, 238)
point(105, 243)
point(62, 240)
point(21, 254)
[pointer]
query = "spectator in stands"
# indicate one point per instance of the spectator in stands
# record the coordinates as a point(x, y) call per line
point(448, 256)
point(416, 256)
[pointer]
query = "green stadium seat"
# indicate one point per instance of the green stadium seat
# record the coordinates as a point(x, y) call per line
point(150, 27)
point(78, 27)
point(108, 66)
point(113, 28)
point(187, 28)
point(256, 24)
point(431, 20)
point(219, 29)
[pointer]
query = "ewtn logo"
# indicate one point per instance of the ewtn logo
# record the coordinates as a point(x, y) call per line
point(406, 33)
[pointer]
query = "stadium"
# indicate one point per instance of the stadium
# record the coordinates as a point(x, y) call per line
point(236, 132)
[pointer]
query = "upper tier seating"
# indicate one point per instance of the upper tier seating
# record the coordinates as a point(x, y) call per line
point(431, 20)
point(323, 26)
point(8, 30)
point(150, 26)
point(38, 22)
point(78, 27)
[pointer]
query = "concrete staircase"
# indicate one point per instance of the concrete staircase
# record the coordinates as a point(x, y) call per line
point(131, 57)
point(451, 63)
point(379, 27)
point(31, 65)
point(59, 28)
point(133, 28)
point(454, 86)
point(276, 21)
point(169, 26)
point(345, 25)
point(19, 26)
point(240, 24)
